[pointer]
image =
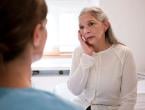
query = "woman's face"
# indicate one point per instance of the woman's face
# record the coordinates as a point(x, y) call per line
point(91, 29)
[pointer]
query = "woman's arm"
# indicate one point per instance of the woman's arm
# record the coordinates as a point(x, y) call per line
point(81, 64)
point(129, 84)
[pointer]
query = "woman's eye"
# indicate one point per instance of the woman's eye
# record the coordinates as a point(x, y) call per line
point(81, 27)
point(91, 24)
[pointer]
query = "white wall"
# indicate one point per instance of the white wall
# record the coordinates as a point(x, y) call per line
point(128, 21)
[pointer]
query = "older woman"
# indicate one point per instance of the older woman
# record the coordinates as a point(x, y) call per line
point(103, 74)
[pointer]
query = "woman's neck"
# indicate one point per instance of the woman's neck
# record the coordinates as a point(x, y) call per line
point(101, 46)
point(16, 74)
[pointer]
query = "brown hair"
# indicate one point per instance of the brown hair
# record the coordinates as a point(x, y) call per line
point(98, 13)
point(18, 19)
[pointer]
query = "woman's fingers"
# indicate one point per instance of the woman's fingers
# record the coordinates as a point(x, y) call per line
point(88, 49)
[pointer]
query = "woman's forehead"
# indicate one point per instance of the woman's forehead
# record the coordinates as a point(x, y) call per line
point(87, 17)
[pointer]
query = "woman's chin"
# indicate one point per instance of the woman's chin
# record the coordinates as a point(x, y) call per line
point(90, 42)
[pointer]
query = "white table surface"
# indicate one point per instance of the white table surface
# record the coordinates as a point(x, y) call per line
point(52, 64)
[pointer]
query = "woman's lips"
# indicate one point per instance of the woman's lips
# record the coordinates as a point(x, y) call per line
point(89, 37)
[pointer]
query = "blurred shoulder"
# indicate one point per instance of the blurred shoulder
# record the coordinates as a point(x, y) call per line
point(56, 102)
point(122, 49)
point(13, 99)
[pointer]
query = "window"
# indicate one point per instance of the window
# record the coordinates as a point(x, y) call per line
point(62, 33)
point(63, 25)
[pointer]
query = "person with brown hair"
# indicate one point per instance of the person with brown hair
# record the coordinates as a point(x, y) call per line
point(103, 73)
point(22, 39)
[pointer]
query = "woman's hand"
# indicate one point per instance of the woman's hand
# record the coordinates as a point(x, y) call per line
point(87, 48)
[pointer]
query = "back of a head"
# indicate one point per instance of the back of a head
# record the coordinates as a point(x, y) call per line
point(18, 19)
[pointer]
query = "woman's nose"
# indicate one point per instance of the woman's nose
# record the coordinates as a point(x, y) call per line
point(86, 30)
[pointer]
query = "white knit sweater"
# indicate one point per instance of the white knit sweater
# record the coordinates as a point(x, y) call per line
point(107, 79)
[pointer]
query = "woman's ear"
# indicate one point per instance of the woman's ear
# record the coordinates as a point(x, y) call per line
point(106, 25)
point(37, 35)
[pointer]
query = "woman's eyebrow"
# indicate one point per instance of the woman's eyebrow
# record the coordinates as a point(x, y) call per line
point(91, 20)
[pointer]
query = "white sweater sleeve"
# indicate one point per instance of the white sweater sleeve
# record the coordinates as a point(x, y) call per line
point(129, 84)
point(81, 64)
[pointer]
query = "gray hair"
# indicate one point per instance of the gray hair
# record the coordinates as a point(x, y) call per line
point(99, 14)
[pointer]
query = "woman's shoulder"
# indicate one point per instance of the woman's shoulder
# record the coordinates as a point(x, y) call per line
point(48, 100)
point(121, 48)
point(43, 100)
point(122, 51)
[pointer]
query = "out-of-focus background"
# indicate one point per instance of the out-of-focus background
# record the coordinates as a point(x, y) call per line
point(128, 21)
